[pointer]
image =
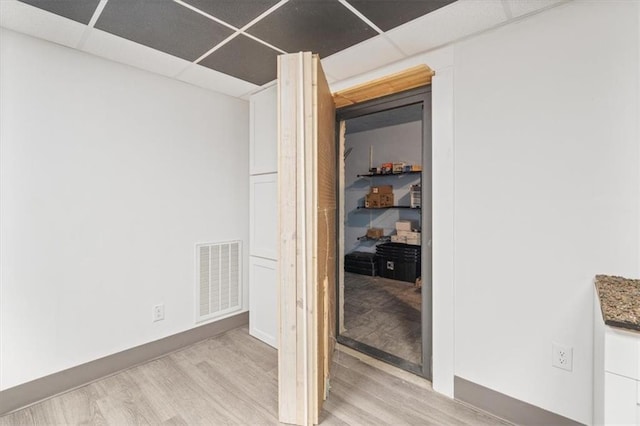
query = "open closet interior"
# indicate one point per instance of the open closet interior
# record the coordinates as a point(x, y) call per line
point(383, 220)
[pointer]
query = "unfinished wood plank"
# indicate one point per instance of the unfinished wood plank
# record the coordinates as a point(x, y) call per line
point(307, 227)
point(308, 235)
point(298, 345)
point(325, 223)
point(340, 242)
point(411, 78)
point(288, 274)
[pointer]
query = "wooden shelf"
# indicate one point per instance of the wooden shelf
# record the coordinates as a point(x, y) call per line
point(389, 174)
point(383, 238)
point(389, 207)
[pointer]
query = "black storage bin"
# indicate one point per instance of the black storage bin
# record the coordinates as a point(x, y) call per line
point(360, 262)
point(399, 261)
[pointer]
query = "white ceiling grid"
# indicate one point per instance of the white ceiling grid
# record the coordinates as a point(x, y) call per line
point(443, 26)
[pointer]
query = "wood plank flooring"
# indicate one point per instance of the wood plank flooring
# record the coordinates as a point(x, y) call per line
point(232, 379)
point(385, 314)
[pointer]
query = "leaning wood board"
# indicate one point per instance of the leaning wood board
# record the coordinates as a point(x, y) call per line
point(326, 200)
point(306, 267)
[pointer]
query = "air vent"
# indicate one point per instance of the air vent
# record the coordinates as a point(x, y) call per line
point(219, 279)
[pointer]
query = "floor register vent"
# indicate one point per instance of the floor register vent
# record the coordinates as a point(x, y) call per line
point(219, 279)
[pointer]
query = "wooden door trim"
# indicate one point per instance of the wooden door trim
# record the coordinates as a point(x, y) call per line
point(421, 94)
point(411, 78)
point(292, 328)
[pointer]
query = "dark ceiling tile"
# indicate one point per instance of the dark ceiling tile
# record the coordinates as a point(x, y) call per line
point(234, 12)
point(78, 10)
point(386, 118)
point(388, 14)
point(245, 59)
point(163, 25)
point(319, 26)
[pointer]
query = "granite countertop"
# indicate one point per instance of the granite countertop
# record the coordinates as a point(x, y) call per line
point(619, 301)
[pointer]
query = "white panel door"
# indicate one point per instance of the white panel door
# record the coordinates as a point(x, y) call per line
point(264, 132)
point(263, 217)
point(263, 303)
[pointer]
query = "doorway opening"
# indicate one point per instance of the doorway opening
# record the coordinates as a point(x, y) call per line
point(384, 233)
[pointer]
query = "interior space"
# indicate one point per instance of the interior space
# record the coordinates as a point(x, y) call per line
point(383, 178)
point(236, 211)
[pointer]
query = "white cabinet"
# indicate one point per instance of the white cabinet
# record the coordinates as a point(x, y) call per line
point(263, 217)
point(620, 400)
point(616, 375)
point(621, 351)
point(263, 152)
point(622, 377)
point(263, 303)
point(638, 402)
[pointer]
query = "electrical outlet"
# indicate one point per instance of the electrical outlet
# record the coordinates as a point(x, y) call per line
point(158, 313)
point(562, 356)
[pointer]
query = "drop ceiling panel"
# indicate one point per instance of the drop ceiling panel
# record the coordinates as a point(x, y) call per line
point(319, 26)
point(78, 10)
point(246, 59)
point(371, 54)
point(388, 14)
point(214, 80)
point(448, 24)
point(125, 51)
point(26, 19)
point(163, 25)
point(235, 12)
point(523, 7)
point(165, 36)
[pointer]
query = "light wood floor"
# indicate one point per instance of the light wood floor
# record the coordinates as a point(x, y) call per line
point(232, 379)
point(385, 314)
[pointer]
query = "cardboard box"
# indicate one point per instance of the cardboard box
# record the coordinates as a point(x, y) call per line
point(386, 200)
point(406, 225)
point(398, 239)
point(409, 234)
point(381, 189)
point(375, 233)
point(415, 241)
point(418, 282)
point(398, 167)
point(373, 201)
point(416, 168)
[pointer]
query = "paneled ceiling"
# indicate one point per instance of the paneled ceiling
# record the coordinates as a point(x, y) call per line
point(232, 45)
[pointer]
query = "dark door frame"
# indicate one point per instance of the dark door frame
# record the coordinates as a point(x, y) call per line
point(421, 95)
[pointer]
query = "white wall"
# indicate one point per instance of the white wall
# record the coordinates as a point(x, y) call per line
point(109, 177)
point(546, 195)
point(536, 141)
point(400, 142)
